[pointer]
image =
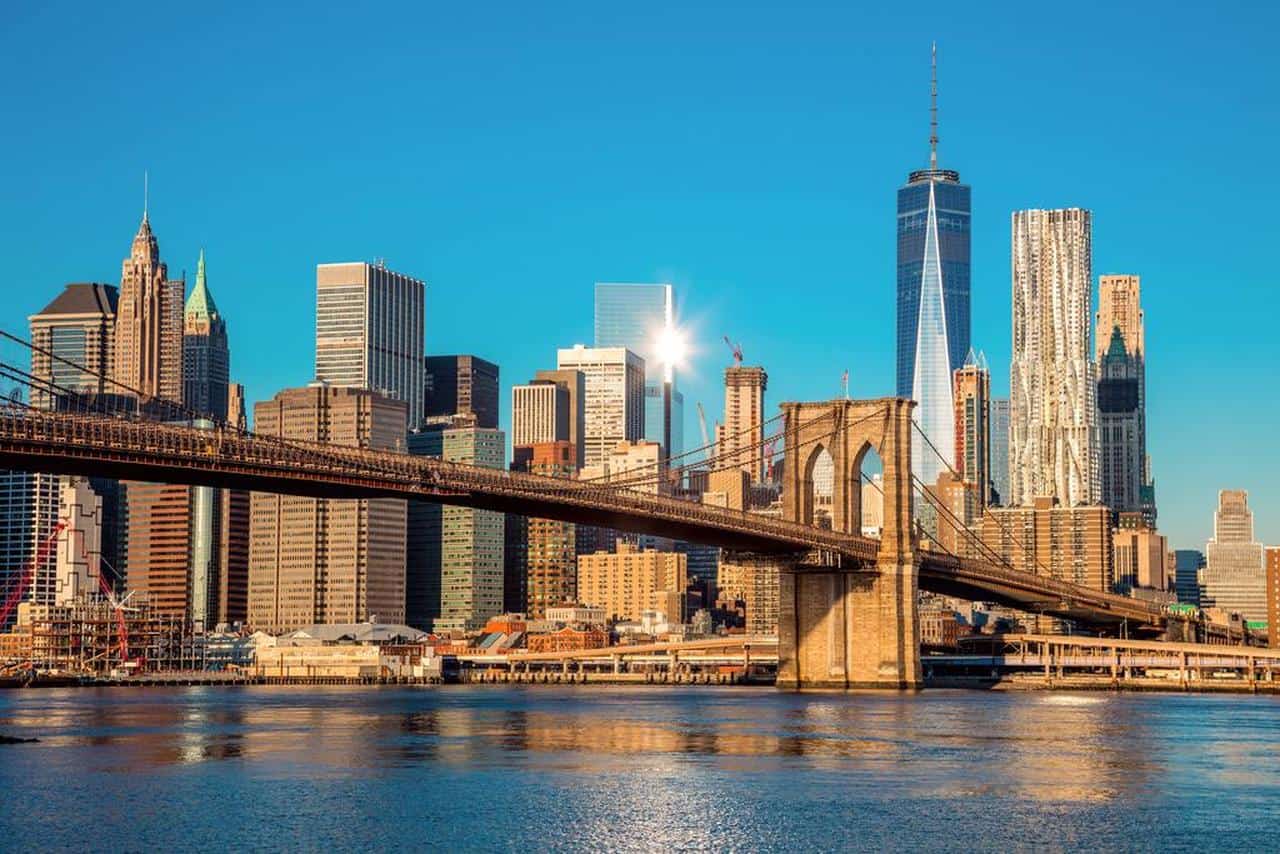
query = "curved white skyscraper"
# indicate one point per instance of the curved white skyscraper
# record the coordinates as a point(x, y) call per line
point(1052, 410)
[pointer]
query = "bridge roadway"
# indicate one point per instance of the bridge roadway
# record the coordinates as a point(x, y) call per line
point(131, 449)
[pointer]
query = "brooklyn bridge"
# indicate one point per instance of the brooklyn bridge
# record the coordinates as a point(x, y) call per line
point(847, 615)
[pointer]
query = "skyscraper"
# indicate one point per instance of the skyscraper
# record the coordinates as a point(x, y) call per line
point(999, 435)
point(1124, 467)
point(933, 299)
point(73, 340)
point(973, 426)
point(1273, 596)
point(574, 384)
point(1234, 575)
point(462, 385)
point(327, 560)
point(613, 410)
point(1120, 457)
point(642, 318)
point(1188, 572)
point(539, 413)
point(550, 559)
point(471, 566)
point(206, 358)
point(148, 337)
point(741, 437)
point(1052, 451)
point(369, 331)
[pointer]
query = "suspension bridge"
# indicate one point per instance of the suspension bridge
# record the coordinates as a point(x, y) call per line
point(847, 602)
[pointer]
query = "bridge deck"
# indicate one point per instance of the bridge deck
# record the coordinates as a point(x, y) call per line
point(134, 449)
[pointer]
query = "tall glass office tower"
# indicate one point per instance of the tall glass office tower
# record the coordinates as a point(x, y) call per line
point(933, 299)
point(635, 316)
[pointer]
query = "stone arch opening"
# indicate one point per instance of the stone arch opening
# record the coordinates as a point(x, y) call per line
point(866, 498)
point(814, 464)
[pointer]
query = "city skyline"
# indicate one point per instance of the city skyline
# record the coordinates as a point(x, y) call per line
point(716, 299)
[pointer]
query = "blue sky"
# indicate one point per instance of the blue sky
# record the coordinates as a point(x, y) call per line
point(513, 154)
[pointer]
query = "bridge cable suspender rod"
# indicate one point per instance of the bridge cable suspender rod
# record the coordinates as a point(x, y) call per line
point(1003, 525)
point(631, 483)
point(709, 459)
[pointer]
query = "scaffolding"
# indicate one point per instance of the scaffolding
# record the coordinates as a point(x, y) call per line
point(92, 637)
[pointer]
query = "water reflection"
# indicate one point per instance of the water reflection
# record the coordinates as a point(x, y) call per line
point(676, 768)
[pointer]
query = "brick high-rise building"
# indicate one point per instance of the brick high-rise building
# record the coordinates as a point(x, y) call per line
point(1052, 451)
point(550, 556)
point(206, 357)
point(369, 331)
point(574, 383)
point(1234, 576)
point(629, 582)
point(1072, 544)
point(148, 336)
point(740, 439)
point(1140, 555)
point(327, 560)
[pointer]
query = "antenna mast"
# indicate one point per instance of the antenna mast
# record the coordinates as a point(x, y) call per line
point(933, 110)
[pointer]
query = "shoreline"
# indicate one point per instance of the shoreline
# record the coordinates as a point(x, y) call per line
point(1019, 685)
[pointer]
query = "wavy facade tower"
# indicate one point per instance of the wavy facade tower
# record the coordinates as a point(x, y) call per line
point(1053, 411)
point(933, 301)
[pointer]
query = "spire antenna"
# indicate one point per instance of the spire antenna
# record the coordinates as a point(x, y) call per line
point(933, 110)
point(145, 193)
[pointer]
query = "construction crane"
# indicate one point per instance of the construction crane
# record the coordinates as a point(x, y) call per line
point(29, 571)
point(702, 423)
point(736, 349)
point(769, 448)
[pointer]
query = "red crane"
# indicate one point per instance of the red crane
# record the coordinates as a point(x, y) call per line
point(736, 349)
point(28, 572)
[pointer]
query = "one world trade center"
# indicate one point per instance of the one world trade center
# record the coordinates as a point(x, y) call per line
point(933, 301)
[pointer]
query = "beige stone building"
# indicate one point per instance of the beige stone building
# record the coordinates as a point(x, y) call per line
point(1273, 596)
point(321, 560)
point(740, 437)
point(1119, 307)
point(148, 335)
point(629, 582)
point(1234, 575)
point(1140, 555)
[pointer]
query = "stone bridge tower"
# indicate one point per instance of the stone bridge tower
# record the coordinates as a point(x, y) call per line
point(845, 623)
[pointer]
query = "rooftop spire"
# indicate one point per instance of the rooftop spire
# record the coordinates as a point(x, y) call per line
point(145, 193)
point(933, 110)
point(200, 302)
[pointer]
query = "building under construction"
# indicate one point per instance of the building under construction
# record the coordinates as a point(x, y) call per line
point(92, 637)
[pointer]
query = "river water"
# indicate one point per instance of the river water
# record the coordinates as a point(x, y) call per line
point(644, 768)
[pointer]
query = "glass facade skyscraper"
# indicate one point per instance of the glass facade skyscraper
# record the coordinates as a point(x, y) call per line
point(933, 305)
point(636, 316)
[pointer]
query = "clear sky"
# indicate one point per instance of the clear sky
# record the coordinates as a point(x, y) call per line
point(511, 155)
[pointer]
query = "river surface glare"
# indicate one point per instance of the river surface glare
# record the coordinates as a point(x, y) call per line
point(646, 768)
